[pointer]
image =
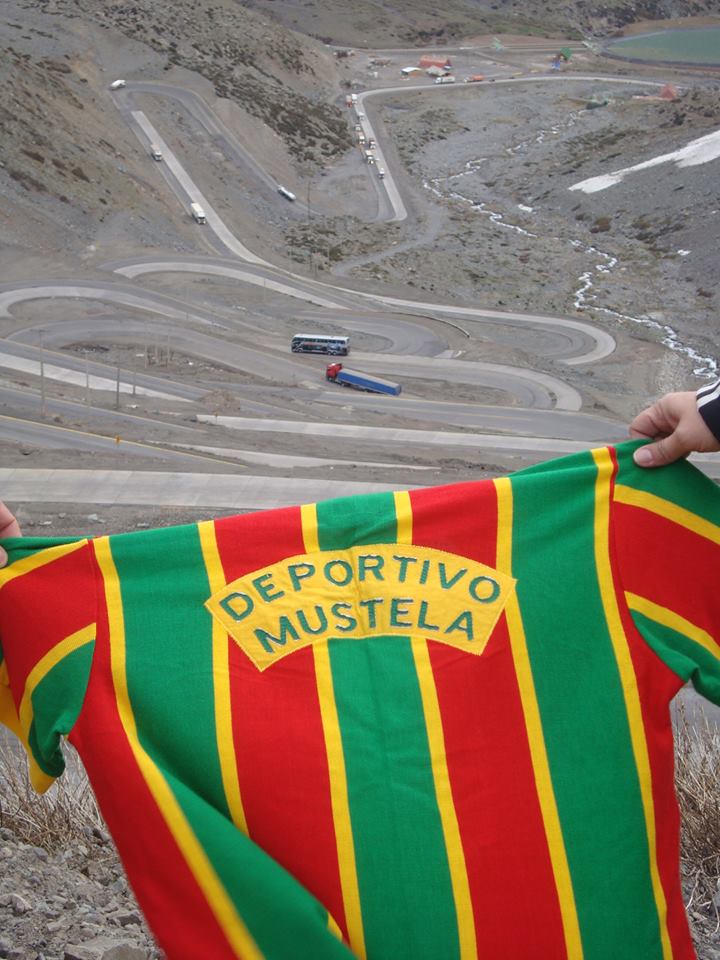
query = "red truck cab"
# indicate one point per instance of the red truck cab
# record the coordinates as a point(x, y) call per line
point(332, 370)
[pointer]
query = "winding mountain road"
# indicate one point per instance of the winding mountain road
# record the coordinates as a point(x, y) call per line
point(541, 416)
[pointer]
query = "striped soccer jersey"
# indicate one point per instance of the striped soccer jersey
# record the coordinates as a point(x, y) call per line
point(419, 726)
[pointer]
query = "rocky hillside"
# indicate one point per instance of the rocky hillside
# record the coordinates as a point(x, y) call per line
point(69, 170)
point(368, 23)
point(59, 143)
point(277, 76)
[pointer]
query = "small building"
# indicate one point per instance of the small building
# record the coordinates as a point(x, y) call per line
point(427, 60)
point(435, 71)
point(408, 71)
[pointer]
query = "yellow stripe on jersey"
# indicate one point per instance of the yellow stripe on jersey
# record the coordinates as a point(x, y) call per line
point(628, 679)
point(221, 681)
point(403, 516)
point(339, 800)
point(445, 802)
point(218, 900)
point(670, 511)
point(333, 927)
point(668, 618)
point(536, 738)
point(37, 560)
point(308, 518)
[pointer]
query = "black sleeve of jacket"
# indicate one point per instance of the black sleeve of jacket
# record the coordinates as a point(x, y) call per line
point(708, 401)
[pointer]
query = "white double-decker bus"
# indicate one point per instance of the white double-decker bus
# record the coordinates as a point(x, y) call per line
point(320, 343)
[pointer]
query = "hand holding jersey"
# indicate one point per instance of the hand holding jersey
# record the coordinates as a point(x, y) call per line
point(680, 423)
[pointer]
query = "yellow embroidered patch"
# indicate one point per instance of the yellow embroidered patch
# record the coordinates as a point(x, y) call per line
point(378, 590)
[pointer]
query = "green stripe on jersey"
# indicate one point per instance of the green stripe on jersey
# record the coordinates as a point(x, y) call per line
point(350, 521)
point(283, 919)
point(402, 864)
point(688, 659)
point(401, 860)
point(18, 548)
point(577, 680)
point(678, 482)
point(168, 634)
point(56, 701)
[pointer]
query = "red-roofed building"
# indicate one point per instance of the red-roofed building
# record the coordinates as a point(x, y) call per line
point(430, 61)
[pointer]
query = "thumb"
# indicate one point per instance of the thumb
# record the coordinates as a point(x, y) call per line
point(3, 557)
point(665, 451)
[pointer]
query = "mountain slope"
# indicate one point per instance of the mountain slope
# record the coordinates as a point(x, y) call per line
point(381, 23)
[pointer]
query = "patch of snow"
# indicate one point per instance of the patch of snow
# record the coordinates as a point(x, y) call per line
point(699, 151)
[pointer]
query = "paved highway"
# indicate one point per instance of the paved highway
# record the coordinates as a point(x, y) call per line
point(527, 387)
point(127, 487)
point(583, 342)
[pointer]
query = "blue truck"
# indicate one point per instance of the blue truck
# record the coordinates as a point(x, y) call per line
point(337, 373)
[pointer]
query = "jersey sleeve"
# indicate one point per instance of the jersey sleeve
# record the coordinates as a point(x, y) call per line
point(708, 404)
point(666, 529)
point(47, 638)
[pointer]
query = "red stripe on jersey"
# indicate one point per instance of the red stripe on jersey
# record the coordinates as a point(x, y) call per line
point(277, 728)
point(654, 557)
point(657, 685)
point(488, 755)
point(182, 921)
point(61, 596)
point(460, 519)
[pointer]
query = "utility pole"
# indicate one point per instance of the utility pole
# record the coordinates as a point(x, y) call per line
point(42, 374)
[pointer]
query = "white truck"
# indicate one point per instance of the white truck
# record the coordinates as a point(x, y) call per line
point(197, 212)
point(116, 84)
point(448, 78)
point(155, 152)
point(284, 192)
